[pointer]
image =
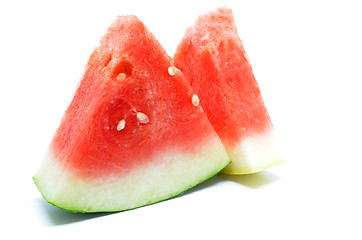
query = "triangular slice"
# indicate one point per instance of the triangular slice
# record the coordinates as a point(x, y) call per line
point(133, 134)
point(212, 58)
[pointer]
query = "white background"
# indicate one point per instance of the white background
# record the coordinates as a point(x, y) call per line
point(307, 57)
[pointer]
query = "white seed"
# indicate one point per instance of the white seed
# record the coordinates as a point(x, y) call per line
point(121, 77)
point(195, 100)
point(142, 118)
point(247, 57)
point(172, 70)
point(121, 125)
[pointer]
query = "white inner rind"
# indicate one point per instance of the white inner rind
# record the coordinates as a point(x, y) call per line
point(170, 174)
point(254, 153)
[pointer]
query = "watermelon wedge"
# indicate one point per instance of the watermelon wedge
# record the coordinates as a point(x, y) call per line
point(133, 134)
point(213, 60)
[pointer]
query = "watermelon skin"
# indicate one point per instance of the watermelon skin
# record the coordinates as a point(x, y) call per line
point(167, 176)
point(212, 57)
point(131, 135)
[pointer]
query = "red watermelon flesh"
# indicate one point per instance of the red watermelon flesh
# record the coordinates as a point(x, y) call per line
point(212, 58)
point(132, 134)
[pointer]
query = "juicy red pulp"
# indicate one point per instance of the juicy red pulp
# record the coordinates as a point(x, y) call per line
point(88, 141)
point(212, 58)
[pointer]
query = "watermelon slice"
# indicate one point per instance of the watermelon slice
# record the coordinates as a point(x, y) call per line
point(133, 134)
point(212, 58)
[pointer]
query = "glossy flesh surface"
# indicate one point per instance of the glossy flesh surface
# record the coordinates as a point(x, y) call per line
point(213, 60)
point(126, 80)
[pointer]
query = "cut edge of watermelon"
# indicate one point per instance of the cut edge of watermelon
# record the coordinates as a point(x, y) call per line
point(254, 154)
point(172, 174)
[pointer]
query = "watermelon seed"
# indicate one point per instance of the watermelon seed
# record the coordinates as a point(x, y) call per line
point(172, 70)
point(195, 100)
point(246, 56)
point(121, 77)
point(121, 125)
point(142, 118)
point(123, 67)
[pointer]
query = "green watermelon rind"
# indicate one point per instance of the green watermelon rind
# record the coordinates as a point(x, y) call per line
point(151, 203)
point(67, 198)
point(255, 153)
